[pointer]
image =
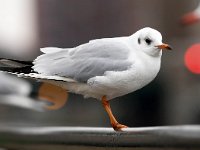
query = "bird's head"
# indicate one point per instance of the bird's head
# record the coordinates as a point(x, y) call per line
point(149, 41)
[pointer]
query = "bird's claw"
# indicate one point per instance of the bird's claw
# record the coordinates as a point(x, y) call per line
point(118, 127)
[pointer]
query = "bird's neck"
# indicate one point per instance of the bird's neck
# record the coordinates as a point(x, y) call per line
point(154, 53)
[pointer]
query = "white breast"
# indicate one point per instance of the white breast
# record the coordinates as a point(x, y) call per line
point(115, 84)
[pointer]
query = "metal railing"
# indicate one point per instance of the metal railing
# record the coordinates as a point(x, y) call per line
point(174, 137)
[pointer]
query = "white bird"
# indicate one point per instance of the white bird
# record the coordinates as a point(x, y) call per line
point(103, 68)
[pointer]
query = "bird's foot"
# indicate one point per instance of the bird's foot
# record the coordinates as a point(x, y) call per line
point(118, 126)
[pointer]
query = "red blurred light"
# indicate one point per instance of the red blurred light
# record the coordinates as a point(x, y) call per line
point(190, 18)
point(192, 58)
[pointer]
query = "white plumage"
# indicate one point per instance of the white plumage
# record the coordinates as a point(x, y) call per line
point(110, 66)
point(104, 68)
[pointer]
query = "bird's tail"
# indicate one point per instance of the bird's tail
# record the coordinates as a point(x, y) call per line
point(15, 66)
point(48, 92)
point(24, 69)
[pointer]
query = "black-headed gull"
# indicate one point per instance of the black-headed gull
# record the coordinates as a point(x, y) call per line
point(103, 68)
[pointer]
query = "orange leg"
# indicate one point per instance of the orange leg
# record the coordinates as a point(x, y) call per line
point(116, 126)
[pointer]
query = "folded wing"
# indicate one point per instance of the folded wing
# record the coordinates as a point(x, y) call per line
point(85, 61)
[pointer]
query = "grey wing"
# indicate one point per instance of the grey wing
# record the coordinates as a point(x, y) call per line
point(85, 61)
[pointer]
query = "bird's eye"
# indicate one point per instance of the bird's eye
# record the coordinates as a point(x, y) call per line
point(139, 41)
point(148, 41)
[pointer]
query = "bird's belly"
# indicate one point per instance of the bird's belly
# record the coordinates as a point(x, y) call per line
point(124, 86)
point(115, 84)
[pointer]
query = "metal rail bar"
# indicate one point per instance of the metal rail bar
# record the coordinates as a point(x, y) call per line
point(148, 137)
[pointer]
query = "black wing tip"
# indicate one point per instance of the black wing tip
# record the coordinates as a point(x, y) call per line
point(16, 66)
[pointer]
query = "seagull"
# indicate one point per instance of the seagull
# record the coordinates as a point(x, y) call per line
point(191, 17)
point(102, 68)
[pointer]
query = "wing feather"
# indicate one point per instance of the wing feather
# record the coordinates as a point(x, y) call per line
point(85, 61)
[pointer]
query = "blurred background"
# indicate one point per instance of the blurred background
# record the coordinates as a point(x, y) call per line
point(172, 98)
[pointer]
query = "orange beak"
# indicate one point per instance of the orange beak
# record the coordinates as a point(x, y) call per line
point(164, 46)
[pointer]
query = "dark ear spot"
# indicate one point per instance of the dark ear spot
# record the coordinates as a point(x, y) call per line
point(148, 41)
point(139, 41)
